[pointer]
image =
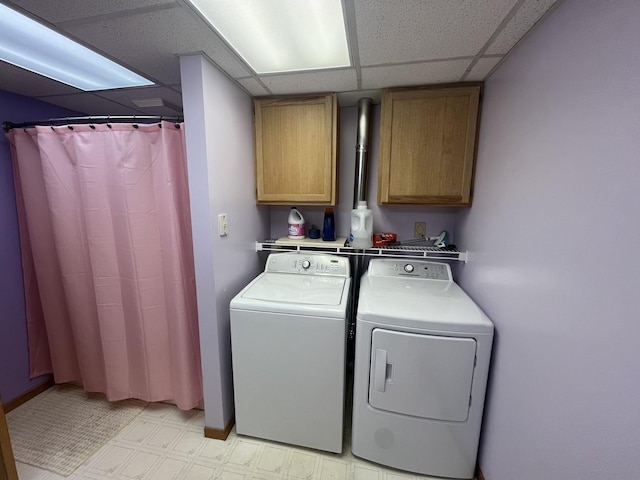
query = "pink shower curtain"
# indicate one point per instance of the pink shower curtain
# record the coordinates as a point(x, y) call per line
point(108, 260)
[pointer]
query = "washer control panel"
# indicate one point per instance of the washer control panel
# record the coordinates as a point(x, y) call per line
point(410, 268)
point(308, 264)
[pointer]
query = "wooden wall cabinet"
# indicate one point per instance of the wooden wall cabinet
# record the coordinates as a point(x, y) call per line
point(296, 145)
point(427, 144)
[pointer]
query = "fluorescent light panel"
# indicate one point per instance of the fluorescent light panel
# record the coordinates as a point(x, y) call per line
point(34, 47)
point(281, 35)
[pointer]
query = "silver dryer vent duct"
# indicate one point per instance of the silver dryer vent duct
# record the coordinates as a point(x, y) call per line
point(362, 145)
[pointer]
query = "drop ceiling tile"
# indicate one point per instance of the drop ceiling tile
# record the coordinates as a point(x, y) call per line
point(160, 111)
point(397, 31)
point(482, 68)
point(127, 95)
point(20, 81)
point(312, 82)
point(54, 12)
point(526, 16)
point(252, 86)
point(414, 74)
point(349, 99)
point(90, 104)
point(152, 42)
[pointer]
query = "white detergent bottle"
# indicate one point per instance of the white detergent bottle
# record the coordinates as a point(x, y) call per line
point(361, 226)
point(296, 225)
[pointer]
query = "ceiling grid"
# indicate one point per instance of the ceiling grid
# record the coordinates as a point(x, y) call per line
point(391, 43)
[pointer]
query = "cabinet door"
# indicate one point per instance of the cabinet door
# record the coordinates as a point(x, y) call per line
point(296, 150)
point(427, 145)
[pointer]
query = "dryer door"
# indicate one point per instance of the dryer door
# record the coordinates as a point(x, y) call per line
point(424, 376)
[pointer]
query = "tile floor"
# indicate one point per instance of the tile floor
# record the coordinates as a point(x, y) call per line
point(166, 443)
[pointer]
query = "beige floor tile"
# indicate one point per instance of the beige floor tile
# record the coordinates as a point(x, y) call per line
point(139, 430)
point(164, 443)
point(365, 472)
point(302, 465)
point(158, 410)
point(190, 443)
point(263, 476)
point(164, 437)
point(245, 454)
point(170, 469)
point(200, 472)
point(333, 469)
point(197, 420)
point(140, 465)
point(82, 475)
point(110, 459)
point(230, 473)
point(182, 417)
point(393, 475)
point(29, 472)
point(217, 451)
point(273, 460)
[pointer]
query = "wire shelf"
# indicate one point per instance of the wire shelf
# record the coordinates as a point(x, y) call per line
point(403, 251)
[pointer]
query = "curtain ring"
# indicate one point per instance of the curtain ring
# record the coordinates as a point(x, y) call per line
point(108, 121)
point(177, 125)
point(93, 127)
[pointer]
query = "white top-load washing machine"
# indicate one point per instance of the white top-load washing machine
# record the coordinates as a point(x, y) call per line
point(288, 342)
point(421, 363)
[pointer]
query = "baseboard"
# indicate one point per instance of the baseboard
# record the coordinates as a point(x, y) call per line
point(220, 434)
point(479, 474)
point(16, 402)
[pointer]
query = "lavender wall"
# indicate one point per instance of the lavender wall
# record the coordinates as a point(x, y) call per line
point(398, 219)
point(553, 237)
point(219, 130)
point(14, 353)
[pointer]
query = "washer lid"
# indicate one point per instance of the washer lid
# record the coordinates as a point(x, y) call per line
point(298, 289)
point(419, 303)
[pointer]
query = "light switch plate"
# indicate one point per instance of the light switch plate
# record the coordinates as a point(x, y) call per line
point(223, 227)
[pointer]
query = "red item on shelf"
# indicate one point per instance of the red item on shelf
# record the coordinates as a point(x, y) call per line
point(384, 239)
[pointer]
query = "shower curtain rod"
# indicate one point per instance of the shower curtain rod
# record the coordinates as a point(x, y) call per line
point(57, 122)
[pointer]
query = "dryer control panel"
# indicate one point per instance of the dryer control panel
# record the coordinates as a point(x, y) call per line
point(410, 268)
point(308, 264)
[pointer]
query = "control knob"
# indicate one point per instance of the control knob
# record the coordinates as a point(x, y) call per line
point(408, 268)
point(306, 264)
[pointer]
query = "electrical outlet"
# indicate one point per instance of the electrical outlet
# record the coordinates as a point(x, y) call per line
point(419, 229)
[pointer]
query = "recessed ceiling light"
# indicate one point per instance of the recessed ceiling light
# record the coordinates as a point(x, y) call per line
point(34, 47)
point(281, 35)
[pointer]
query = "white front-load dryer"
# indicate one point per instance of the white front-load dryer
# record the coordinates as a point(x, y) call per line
point(288, 345)
point(421, 363)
